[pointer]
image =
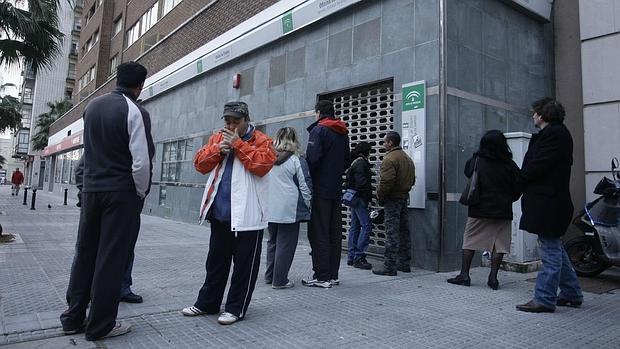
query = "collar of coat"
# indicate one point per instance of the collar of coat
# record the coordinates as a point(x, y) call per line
point(394, 149)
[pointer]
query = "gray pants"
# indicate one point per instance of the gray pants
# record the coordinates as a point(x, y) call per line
point(280, 251)
point(397, 238)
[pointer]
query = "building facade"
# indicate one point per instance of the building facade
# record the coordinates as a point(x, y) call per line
point(600, 54)
point(48, 85)
point(479, 64)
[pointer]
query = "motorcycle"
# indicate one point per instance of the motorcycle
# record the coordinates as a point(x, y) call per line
point(599, 247)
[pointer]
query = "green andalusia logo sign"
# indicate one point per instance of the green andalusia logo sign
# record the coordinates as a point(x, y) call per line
point(413, 97)
point(287, 23)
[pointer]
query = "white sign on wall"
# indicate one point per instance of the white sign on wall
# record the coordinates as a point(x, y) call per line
point(414, 137)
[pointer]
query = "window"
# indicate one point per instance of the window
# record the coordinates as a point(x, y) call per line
point(169, 5)
point(95, 37)
point(90, 14)
point(118, 26)
point(162, 195)
point(47, 170)
point(58, 169)
point(71, 71)
point(74, 157)
point(27, 93)
point(87, 78)
point(146, 22)
point(113, 64)
point(133, 34)
point(174, 154)
point(149, 19)
point(74, 47)
point(66, 168)
point(91, 72)
point(77, 23)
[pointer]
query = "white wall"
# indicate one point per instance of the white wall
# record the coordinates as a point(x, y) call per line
point(600, 53)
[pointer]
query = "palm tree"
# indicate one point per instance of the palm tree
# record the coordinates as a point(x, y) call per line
point(10, 117)
point(45, 120)
point(31, 35)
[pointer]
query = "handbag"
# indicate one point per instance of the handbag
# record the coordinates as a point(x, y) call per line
point(471, 194)
point(349, 196)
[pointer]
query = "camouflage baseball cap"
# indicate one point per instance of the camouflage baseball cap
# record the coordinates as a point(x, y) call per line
point(236, 109)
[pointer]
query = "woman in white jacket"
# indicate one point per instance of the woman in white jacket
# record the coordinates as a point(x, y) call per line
point(289, 204)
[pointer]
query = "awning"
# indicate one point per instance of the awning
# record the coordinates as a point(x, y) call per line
point(67, 143)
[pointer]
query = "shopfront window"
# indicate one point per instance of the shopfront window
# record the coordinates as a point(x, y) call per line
point(174, 155)
point(57, 169)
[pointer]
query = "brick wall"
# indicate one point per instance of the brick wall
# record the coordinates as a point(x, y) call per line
point(214, 21)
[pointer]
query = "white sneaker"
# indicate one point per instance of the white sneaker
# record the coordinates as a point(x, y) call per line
point(335, 282)
point(289, 284)
point(120, 328)
point(227, 318)
point(192, 311)
point(316, 283)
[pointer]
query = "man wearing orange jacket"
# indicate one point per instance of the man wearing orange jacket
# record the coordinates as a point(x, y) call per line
point(235, 203)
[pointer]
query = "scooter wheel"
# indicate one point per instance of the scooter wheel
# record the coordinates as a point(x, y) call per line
point(584, 260)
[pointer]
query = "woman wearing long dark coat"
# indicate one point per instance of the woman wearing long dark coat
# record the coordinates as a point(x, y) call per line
point(489, 220)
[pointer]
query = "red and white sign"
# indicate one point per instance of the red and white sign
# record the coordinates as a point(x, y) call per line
point(67, 143)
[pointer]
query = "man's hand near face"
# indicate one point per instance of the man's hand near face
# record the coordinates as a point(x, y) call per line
point(230, 136)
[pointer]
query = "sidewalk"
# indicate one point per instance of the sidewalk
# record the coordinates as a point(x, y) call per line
point(411, 310)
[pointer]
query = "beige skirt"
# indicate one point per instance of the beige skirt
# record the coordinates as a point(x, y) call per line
point(483, 234)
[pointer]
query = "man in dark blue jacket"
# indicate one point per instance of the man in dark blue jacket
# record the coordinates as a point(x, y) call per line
point(328, 157)
point(118, 153)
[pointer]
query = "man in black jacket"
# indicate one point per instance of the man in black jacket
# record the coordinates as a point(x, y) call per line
point(118, 153)
point(548, 209)
point(328, 156)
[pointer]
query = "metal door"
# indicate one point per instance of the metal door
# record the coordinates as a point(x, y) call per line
point(368, 112)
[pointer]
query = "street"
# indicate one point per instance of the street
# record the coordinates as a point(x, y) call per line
point(411, 310)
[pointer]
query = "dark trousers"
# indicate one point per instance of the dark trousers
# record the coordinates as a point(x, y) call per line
point(107, 234)
point(281, 251)
point(127, 280)
point(243, 249)
point(325, 236)
point(398, 240)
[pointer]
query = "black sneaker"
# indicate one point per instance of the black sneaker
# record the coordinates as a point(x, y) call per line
point(384, 271)
point(405, 268)
point(362, 264)
point(350, 262)
point(132, 298)
point(460, 280)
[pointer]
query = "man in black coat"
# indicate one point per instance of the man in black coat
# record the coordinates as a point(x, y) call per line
point(328, 156)
point(548, 209)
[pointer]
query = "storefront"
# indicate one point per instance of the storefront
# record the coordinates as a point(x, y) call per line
point(479, 65)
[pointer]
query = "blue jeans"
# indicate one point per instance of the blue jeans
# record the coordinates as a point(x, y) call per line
point(359, 233)
point(557, 271)
point(127, 281)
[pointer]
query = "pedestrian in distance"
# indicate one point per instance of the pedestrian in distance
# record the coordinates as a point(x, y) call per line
point(359, 178)
point(290, 195)
point(548, 208)
point(118, 153)
point(397, 179)
point(489, 218)
point(235, 202)
point(17, 179)
point(127, 295)
point(328, 156)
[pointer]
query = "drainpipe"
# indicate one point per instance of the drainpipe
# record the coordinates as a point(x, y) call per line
point(443, 113)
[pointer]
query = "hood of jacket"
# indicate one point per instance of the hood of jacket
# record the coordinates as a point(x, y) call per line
point(282, 156)
point(333, 124)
